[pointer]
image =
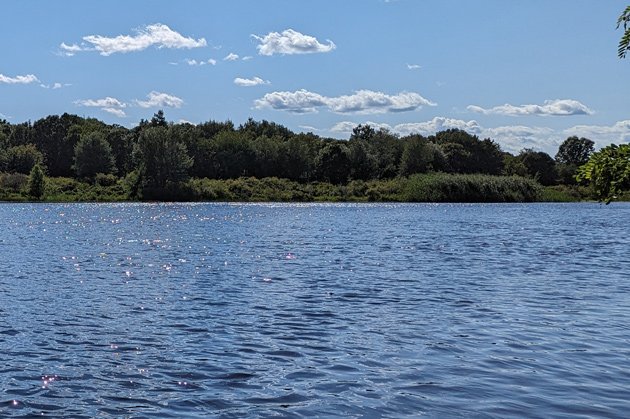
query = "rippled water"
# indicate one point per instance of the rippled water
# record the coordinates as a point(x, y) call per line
point(169, 310)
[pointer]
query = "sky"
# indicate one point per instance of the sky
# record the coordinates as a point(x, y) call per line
point(527, 74)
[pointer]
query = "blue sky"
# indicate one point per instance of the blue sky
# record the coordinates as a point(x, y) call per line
point(524, 73)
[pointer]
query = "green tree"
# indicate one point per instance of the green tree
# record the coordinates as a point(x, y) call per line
point(466, 153)
point(36, 182)
point(575, 151)
point(624, 42)
point(160, 159)
point(93, 155)
point(158, 120)
point(333, 163)
point(420, 156)
point(608, 171)
point(23, 158)
point(539, 165)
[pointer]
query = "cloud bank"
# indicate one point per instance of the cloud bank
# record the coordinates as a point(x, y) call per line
point(291, 42)
point(512, 138)
point(361, 102)
point(558, 107)
point(157, 35)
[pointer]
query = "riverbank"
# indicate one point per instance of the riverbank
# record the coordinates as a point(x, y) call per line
point(434, 187)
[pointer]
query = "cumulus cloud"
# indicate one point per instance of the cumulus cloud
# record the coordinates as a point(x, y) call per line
point(231, 57)
point(511, 138)
point(558, 107)
point(159, 100)
point(300, 101)
point(346, 127)
point(107, 104)
point(413, 67)
point(157, 35)
point(255, 81)
point(361, 102)
point(603, 135)
point(438, 124)
point(291, 42)
point(368, 101)
point(514, 138)
point(26, 79)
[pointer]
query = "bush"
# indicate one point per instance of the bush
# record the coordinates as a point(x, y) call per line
point(15, 182)
point(103, 179)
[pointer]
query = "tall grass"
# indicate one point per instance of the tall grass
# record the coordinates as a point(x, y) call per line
point(443, 187)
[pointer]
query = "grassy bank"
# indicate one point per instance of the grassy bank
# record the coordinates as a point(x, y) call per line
point(433, 187)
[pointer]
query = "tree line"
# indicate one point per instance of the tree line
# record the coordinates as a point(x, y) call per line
point(156, 153)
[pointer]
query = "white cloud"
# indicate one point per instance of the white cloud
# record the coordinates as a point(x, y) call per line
point(158, 99)
point(291, 42)
point(438, 124)
point(368, 101)
point(70, 50)
point(3, 116)
point(231, 57)
point(27, 79)
point(300, 101)
point(558, 107)
point(308, 128)
point(361, 102)
point(199, 63)
point(514, 138)
point(247, 58)
point(118, 112)
point(346, 127)
point(54, 86)
point(413, 67)
point(108, 102)
point(158, 35)
point(603, 135)
point(511, 138)
point(255, 81)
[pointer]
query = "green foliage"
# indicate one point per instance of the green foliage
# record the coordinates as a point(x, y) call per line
point(466, 153)
point(93, 155)
point(443, 187)
point(14, 182)
point(23, 158)
point(624, 42)
point(539, 165)
point(575, 151)
point(104, 179)
point(565, 193)
point(608, 172)
point(160, 159)
point(333, 163)
point(420, 156)
point(36, 182)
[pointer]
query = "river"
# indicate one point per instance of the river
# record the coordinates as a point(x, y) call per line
point(297, 310)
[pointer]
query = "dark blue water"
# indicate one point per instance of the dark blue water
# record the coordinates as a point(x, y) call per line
point(217, 310)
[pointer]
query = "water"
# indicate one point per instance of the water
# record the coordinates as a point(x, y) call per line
point(219, 310)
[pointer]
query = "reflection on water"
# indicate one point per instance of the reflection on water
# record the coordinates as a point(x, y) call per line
point(196, 310)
